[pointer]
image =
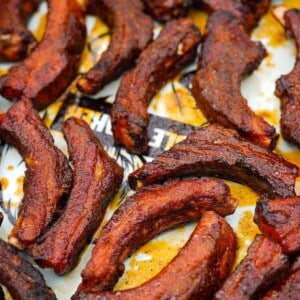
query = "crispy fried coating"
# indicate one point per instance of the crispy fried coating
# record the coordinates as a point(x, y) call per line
point(226, 56)
point(47, 72)
point(264, 264)
point(131, 31)
point(22, 280)
point(48, 175)
point(195, 273)
point(288, 87)
point(144, 215)
point(96, 179)
point(214, 150)
point(279, 219)
point(165, 10)
point(174, 48)
point(16, 41)
point(289, 288)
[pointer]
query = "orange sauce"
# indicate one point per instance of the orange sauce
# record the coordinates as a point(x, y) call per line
point(271, 116)
point(20, 181)
point(199, 18)
point(10, 168)
point(39, 32)
point(4, 183)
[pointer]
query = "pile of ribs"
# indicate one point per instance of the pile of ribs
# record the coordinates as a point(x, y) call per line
point(65, 199)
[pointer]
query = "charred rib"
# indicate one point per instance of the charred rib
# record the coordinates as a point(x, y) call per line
point(279, 219)
point(46, 73)
point(214, 150)
point(288, 88)
point(174, 48)
point(16, 41)
point(264, 264)
point(227, 55)
point(131, 31)
point(144, 215)
point(195, 273)
point(96, 179)
point(48, 175)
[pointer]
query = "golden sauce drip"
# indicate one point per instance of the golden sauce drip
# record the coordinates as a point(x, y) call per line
point(20, 182)
point(39, 32)
point(199, 18)
point(291, 3)
point(10, 168)
point(4, 183)
point(271, 116)
point(52, 111)
point(3, 72)
point(245, 233)
point(292, 156)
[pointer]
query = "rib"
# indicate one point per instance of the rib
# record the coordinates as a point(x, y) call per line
point(174, 48)
point(195, 273)
point(289, 288)
point(45, 74)
point(165, 10)
point(146, 214)
point(48, 175)
point(227, 55)
point(16, 41)
point(264, 264)
point(214, 150)
point(97, 177)
point(279, 219)
point(21, 279)
point(288, 88)
point(131, 31)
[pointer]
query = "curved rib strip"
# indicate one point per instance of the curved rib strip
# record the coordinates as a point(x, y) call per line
point(214, 150)
point(131, 31)
point(51, 67)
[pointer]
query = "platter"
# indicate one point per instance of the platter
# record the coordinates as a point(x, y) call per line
point(173, 114)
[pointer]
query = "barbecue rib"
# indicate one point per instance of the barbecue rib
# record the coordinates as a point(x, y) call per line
point(144, 215)
point(264, 264)
point(46, 73)
point(288, 88)
point(16, 41)
point(289, 288)
point(226, 56)
point(174, 48)
point(165, 10)
point(214, 150)
point(195, 273)
point(131, 31)
point(48, 174)
point(96, 179)
point(279, 219)
point(21, 279)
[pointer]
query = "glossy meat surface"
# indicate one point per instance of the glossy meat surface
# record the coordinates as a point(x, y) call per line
point(97, 177)
point(264, 264)
point(16, 41)
point(44, 75)
point(214, 150)
point(48, 175)
point(279, 219)
point(174, 48)
point(227, 56)
point(146, 214)
point(288, 88)
point(22, 280)
point(195, 273)
point(131, 31)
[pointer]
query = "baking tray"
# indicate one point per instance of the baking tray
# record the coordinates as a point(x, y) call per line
point(173, 114)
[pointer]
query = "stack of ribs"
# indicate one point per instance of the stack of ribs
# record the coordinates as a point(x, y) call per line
point(63, 207)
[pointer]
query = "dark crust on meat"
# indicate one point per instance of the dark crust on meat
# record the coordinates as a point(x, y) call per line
point(214, 150)
point(288, 87)
point(279, 219)
point(16, 41)
point(174, 48)
point(131, 31)
point(226, 57)
point(96, 179)
point(289, 288)
point(146, 214)
point(247, 11)
point(195, 273)
point(165, 10)
point(21, 279)
point(47, 72)
point(48, 175)
point(264, 264)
